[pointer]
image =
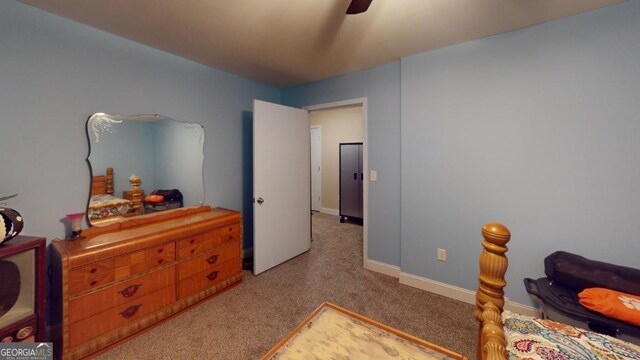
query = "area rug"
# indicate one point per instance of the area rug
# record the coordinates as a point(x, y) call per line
point(332, 332)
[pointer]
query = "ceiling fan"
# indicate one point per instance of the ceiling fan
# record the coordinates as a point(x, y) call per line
point(358, 6)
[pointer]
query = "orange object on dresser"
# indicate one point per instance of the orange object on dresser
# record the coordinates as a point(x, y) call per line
point(122, 278)
point(154, 199)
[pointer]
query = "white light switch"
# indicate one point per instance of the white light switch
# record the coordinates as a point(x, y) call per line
point(373, 175)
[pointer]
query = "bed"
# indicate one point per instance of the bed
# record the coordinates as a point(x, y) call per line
point(104, 206)
point(505, 335)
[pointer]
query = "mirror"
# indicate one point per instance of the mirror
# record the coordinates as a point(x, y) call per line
point(133, 157)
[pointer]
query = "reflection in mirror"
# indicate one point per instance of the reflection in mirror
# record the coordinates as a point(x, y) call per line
point(142, 164)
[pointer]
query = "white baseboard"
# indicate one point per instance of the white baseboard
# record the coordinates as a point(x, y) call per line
point(436, 287)
point(461, 294)
point(382, 268)
point(522, 309)
point(334, 212)
point(247, 253)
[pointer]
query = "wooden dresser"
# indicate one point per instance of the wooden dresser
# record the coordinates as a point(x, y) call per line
point(120, 279)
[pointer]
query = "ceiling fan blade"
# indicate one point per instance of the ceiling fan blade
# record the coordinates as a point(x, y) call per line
point(358, 6)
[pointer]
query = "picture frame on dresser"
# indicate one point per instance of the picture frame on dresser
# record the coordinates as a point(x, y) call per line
point(22, 289)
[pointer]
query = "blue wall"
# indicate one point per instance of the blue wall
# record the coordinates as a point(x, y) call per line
point(54, 73)
point(538, 129)
point(381, 86)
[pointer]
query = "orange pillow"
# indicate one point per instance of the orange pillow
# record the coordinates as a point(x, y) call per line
point(615, 304)
point(154, 199)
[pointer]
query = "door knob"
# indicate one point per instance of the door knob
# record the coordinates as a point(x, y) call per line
point(260, 200)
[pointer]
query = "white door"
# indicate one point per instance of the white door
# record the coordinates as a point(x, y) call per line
point(316, 174)
point(281, 184)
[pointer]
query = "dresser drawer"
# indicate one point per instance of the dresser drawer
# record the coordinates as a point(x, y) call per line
point(198, 243)
point(99, 301)
point(230, 232)
point(208, 260)
point(91, 276)
point(119, 316)
point(104, 272)
point(208, 278)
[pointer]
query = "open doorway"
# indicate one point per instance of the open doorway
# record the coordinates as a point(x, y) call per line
point(330, 130)
point(332, 124)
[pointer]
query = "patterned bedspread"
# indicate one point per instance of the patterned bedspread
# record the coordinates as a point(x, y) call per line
point(530, 338)
point(103, 205)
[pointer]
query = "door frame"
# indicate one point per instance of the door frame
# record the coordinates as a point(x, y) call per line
point(319, 129)
point(365, 160)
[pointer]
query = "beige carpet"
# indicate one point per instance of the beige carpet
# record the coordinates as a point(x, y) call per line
point(245, 322)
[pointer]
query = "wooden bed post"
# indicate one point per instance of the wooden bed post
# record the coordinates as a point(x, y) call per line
point(136, 195)
point(490, 294)
point(109, 182)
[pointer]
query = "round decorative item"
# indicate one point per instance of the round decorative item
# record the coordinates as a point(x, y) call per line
point(10, 224)
point(24, 332)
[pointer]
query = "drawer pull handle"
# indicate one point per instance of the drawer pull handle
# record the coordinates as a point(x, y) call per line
point(93, 283)
point(160, 261)
point(130, 311)
point(129, 291)
point(93, 271)
point(192, 241)
point(160, 251)
point(230, 229)
point(212, 276)
point(193, 250)
point(212, 259)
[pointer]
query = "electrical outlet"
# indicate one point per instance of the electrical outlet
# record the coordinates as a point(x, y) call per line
point(442, 254)
point(373, 175)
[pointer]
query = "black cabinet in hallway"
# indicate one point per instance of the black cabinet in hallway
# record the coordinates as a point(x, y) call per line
point(351, 181)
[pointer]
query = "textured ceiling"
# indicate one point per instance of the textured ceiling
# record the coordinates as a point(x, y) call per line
point(288, 42)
